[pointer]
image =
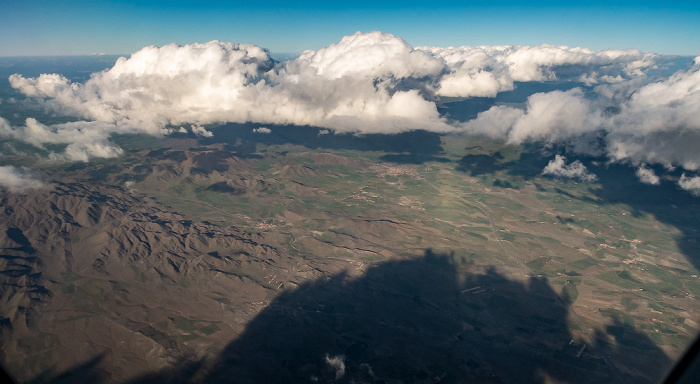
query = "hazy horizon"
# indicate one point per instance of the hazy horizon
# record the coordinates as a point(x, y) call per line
point(44, 28)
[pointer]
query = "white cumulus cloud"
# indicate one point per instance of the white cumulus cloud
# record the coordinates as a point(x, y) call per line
point(356, 85)
point(200, 131)
point(660, 122)
point(557, 167)
point(655, 123)
point(367, 82)
point(157, 87)
point(690, 184)
point(552, 117)
point(647, 176)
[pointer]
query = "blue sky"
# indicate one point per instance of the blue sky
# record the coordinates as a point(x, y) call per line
point(54, 27)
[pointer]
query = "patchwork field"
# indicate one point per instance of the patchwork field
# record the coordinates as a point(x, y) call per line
point(619, 266)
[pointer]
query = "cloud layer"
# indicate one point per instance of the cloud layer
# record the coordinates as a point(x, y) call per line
point(486, 71)
point(654, 123)
point(378, 83)
point(371, 82)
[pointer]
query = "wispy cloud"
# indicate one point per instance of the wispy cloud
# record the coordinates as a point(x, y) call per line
point(337, 363)
point(19, 179)
point(83, 139)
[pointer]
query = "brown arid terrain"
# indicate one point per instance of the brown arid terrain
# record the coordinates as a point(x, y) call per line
point(262, 260)
point(110, 274)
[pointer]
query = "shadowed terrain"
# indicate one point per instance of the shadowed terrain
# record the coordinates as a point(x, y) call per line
point(416, 320)
point(423, 319)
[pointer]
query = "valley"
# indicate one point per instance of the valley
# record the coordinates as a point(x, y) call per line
point(207, 254)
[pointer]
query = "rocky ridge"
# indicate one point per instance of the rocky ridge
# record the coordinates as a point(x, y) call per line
point(111, 273)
